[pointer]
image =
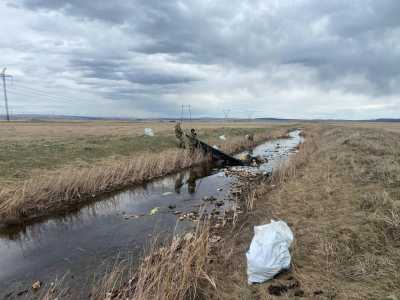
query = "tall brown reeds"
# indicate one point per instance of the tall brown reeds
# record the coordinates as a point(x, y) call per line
point(50, 193)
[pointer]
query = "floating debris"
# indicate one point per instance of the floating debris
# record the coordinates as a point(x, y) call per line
point(167, 193)
point(154, 211)
point(191, 216)
point(172, 206)
point(127, 217)
point(219, 203)
point(209, 198)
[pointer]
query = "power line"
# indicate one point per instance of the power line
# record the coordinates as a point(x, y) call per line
point(39, 92)
point(30, 95)
point(38, 95)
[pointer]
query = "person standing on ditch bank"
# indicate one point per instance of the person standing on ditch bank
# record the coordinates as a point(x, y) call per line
point(179, 135)
point(192, 140)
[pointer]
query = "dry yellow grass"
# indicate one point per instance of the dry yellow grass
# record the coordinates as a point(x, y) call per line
point(47, 194)
point(53, 130)
point(340, 197)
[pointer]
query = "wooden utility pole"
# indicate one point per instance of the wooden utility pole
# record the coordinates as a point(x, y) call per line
point(3, 75)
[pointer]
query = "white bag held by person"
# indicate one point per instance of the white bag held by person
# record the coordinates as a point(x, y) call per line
point(269, 251)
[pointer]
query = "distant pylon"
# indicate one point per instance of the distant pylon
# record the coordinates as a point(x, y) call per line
point(4, 76)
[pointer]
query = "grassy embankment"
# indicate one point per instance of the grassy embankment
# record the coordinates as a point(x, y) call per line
point(340, 196)
point(50, 167)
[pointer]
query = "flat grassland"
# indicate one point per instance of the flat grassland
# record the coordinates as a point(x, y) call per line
point(47, 167)
point(30, 148)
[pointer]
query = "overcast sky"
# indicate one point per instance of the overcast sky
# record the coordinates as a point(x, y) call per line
point(145, 58)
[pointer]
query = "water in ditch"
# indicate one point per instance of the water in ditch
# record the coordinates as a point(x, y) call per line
point(77, 245)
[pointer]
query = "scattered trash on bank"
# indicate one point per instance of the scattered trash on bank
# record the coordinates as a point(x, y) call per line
point(283, 287)
point(148, 132)
point(214, 239)
point(190, 216)
point(269, 251)
point(36, 285)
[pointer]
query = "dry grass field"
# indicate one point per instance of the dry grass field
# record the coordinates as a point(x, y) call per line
point(48, 167)
point(30, 148)
point(340, 195)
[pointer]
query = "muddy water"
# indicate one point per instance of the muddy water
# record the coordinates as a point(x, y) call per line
point(80, 244)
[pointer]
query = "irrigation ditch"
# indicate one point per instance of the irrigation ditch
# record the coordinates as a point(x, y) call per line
point(80, 243)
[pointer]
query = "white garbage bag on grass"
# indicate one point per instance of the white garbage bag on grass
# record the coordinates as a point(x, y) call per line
point(269, 251)
point(148, 132)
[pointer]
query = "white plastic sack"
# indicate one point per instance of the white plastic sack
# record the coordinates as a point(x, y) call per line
point(148, 132)
point(269, 251)
point(222, 137)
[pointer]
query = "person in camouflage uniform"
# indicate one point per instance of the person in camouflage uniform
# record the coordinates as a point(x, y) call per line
point(179, 135)
point(192, 140)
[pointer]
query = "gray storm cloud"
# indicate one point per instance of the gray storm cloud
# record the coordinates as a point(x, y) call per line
point(304, 59)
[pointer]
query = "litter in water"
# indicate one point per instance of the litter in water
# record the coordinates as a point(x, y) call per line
point(154, 211)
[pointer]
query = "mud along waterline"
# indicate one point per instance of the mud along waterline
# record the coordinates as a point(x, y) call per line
point(82, 243)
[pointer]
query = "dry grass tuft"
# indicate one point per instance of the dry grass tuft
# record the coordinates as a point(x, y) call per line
point(177, 271)
point(51, 193)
